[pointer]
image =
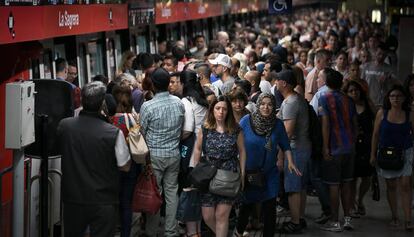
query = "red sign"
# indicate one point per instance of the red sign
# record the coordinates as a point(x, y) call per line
point(42, 22)
point(171, 12)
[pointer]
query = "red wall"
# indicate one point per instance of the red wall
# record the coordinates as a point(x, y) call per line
point(13, 66)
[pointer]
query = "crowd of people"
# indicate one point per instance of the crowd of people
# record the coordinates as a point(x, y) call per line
point(294, 104)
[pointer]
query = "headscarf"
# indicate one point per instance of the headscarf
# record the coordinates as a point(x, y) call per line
point(263, 126)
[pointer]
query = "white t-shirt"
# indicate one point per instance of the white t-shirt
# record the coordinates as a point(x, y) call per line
point(121, 150)
point(194, 117)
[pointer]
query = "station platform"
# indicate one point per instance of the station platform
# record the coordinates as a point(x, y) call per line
point(374, 223)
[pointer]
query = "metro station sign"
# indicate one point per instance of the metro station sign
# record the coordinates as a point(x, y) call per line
point(280, 6)
point(27, 23)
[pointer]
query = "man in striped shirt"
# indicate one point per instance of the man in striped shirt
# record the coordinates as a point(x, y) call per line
point(161, 123)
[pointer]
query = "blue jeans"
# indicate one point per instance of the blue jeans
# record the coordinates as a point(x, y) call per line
point(293, 182)
point(127, 186)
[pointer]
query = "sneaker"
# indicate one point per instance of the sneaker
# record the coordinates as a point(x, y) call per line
point(281, 211)
point(322, 219)
point(348, 223)
point(332, 226)
point(291, 228)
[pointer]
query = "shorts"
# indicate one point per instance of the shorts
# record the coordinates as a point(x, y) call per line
point(406, 171)
point(338, 170)
point(294, 183)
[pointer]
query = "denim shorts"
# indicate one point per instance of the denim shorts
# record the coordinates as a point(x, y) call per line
point(294, 183)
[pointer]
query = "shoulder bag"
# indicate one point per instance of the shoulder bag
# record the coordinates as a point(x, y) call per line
point(137, 145)
point(204, 171)
point(225, 183)
point(390, 158)
point(146, 197)
point(257, 178)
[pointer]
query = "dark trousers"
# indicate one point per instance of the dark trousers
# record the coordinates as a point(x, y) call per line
point(269, 217)
point(127, 184)
point(101, 219)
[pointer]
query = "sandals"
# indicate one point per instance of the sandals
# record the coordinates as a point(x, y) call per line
point(408, 226)
point(291, 228)
point(194, 235)
point(395, 222)
point(361, 210)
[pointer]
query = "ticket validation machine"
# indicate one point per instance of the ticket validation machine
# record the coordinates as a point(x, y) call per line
point(19, 133)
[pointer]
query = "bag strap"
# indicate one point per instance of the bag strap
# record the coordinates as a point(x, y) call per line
point(203, 146)
point(126, 121)
point(264, 159)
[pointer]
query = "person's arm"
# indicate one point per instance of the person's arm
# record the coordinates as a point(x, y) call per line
point(285, 147)
point(290, 127)
point(198, 147)
point(242, 156)
point(189, 120)
point(325, 137)
point(291, 164)
point(375, 136)
point(123, 158)
point(143, 120)
point(289, 113)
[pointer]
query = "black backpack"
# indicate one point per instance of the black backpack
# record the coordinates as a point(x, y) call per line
point(315, 133)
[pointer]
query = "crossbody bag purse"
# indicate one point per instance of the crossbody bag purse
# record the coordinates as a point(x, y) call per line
point(257, 178)
point(225, 183)
point(204, 171)
point(390, 158)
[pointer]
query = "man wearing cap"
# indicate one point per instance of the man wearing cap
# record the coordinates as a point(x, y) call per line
point(161, 124)
point(294, 114)
point(221, 67)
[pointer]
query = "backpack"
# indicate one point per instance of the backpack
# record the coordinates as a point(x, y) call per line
point(315, 133)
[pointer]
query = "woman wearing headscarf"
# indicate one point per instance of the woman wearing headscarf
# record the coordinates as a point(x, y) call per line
point(263, 133)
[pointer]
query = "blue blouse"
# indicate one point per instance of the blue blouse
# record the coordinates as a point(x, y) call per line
point(256, 152)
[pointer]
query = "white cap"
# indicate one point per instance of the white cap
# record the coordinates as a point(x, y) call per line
point(221, 59)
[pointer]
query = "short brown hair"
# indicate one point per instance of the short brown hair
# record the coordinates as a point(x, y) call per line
point(230, 123)
point(238, 93)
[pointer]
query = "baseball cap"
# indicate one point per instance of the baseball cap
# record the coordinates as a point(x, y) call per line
point(160, 78)
point(288, 76)
point(260, 66)
point(221, 59)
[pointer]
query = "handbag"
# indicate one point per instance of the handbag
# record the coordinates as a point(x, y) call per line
point(390, 158)
point(257, 178)
point(225, 183)
point(202, 174)
point(137, 145)
point(204, 171)
point(189, 206)
point(376, 196)
point(146, 196)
